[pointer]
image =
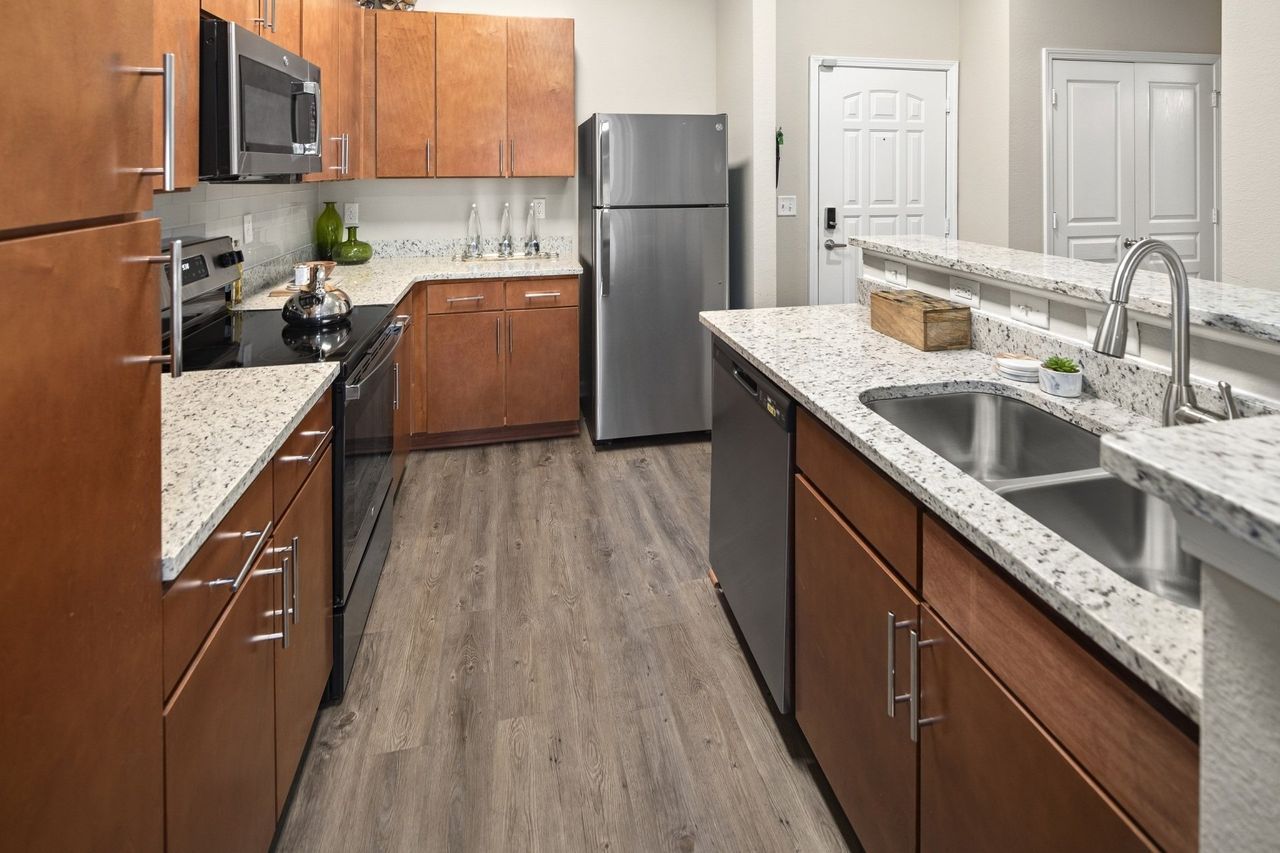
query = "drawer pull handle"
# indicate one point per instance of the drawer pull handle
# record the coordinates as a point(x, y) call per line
point(893, 698)
point(916, 722)
point(293, 550)
point(310, 460)
point(238, 581)
point(542, 294)
point(450, 300)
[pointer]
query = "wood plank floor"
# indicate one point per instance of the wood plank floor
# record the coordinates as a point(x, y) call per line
point(548, 668)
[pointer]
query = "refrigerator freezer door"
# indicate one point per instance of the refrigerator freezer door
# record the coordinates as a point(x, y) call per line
point(655, 270)
point(661, 160)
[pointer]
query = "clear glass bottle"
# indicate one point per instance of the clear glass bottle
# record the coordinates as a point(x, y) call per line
point(505, 243)
point(474, 240)
point(532, 245)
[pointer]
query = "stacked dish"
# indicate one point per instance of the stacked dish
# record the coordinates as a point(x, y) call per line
point(1018, 367)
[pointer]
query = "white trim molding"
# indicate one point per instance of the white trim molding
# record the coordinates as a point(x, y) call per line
point(814, 213)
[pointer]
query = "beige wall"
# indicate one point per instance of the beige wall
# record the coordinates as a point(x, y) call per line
point(984, 122)
point(1190, 26)
point(1250, 142)
point(890, 29)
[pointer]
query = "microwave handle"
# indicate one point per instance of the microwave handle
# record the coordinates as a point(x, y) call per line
point(307, 89)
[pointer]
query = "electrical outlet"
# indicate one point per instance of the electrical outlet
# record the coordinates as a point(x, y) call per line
point(1032, 310)
point(539, 208)
point(966, 291)
point(248, 228)
point(895, 273)
point(786, 205)
point(351, 213)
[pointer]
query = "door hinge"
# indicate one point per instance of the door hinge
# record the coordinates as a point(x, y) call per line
point(1053, 97)
point(1213, 215)
point(1215, 98)
point(1055, 220)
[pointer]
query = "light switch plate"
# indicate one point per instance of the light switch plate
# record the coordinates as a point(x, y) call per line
point(1032, 310)
point(786, 205)
point(539, 208)
point(351, 213)
point(895, 273)
point(966, 291)
point(248, 228)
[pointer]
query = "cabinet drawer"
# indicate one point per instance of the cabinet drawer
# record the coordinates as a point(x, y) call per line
point(543, 293)
point(192, 603)
point(461, 297)
point(878, 508)
point(1146, 762)
point(301, 452)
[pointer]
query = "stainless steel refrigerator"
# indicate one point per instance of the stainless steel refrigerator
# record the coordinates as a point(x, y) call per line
point(653, 235)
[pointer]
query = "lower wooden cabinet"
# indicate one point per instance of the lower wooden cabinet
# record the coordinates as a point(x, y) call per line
point(849, 663)
point(402, 368)
point(542, 366)
point(220, 755)
point(304, 656)
point(465, 372)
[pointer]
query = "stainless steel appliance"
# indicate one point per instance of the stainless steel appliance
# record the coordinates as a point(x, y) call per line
point(366, 395)
point(317, 305)
point(654, 239)
point(752, 470)
point(259, 107)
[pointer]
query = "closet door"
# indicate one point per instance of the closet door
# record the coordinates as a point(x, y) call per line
point(1175, 156)
point(1093, 159)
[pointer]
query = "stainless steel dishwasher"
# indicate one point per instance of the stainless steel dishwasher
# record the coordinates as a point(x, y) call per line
point(752, 483)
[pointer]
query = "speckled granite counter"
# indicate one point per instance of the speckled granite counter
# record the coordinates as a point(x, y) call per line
point(1226, 474)
point(1235, 308)
point(385, 281)
point(218, 431)
point(830, 360)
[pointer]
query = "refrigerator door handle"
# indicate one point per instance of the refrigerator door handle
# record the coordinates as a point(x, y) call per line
point(604, 168)
point(602, 251)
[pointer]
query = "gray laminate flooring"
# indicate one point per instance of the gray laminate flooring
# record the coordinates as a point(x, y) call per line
point(548, 668)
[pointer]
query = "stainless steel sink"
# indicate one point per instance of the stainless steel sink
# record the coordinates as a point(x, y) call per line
point(1127, 530)
point(990, 437)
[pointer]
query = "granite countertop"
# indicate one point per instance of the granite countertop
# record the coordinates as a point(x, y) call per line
point(385, 281)
point(1236, 308)
point(218, 431)
point(1226, 474)
point(830, 361)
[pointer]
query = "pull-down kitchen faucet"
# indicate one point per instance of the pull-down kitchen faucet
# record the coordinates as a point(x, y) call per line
point(1179, 398)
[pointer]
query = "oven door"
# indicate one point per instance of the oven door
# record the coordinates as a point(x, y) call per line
point(368, 438)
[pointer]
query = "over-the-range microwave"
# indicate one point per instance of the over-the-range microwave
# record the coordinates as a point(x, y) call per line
point(259, 108)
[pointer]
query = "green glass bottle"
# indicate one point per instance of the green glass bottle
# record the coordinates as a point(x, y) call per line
point(328, 231)
point(351, 250)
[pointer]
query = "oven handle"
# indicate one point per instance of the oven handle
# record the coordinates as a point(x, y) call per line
point(395, 333)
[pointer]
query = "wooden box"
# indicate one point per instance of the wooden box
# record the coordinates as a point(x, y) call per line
point(925, 322)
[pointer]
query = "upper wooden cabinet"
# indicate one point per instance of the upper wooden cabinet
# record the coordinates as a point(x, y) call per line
point(406, 94)
point(320, 47)
point(471, 89)
point(351, 93)
point(540, 115)
point(178, 32)
point(80, 121)
point(278, 21)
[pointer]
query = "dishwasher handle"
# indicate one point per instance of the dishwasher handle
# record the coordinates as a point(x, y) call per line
point(748, 384)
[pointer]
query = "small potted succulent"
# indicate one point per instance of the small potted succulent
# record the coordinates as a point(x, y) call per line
point(1061, 377)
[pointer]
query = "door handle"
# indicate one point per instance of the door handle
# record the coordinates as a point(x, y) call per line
point(511, 336)
point(913, 697)
point(746, 383)
point(602, 256)
point(511, 158)
point(892, 697)
point(293, 551)
point(236, 582)
point(174, 260)
point(166, 71)
point(275, 14)
point(428, 158)
point(395, 400)
point(502, 161)
point(831, 245)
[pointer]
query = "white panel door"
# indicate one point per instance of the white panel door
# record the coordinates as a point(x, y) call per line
point(1175, 160)
point(882, 163)
point(1093, 164)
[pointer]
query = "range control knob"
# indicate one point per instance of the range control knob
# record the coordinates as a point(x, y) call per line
point(227, 259)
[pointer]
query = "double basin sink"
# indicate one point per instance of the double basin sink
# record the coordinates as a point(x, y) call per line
point(1049, 469)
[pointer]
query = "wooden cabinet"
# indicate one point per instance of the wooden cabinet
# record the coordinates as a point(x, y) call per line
point(304, 657)
point(80, 643)
point(300, 454)
point(177, 27)
point(242, 12)
point(218, 728)
point(77, 128)
point(406, 94)
point(540, 114)
point(990, 777)
point(406, 357)
point(333, 38)
point(465, 372)
point(351, 38)
point(542, 366)
point(848, 665)
point(278, 21)
point(471, 96)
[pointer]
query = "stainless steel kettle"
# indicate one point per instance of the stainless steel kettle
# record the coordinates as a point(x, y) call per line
point(316, 305)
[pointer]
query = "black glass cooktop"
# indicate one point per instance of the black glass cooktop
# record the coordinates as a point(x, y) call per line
point(263, 339)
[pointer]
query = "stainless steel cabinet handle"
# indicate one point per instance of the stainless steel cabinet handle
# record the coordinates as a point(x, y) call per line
point(174, 260)
point(916, 722)
point(238, 581)
point(275, 14)
point(262, 13)
point(450, 300)
point(284, 602)
point(310, 459)
point(542, 294)
point(497, 337)
point(395, 399)
point(511, 336)
point(501, 160)
point(166, 71)
point(337, 168)
point(293, 548)
point(511, 158)
point(892, 697)
point(830, 245)
point(428, 158)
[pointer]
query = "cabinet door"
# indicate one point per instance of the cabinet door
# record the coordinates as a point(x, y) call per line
point(990, 777)
point(366, 166)
point(304, 548)
point(77, 128)
point(320, 46)
point(405, 359)
point(464, 371)
point(540, 118)
point(471, 87)
point(218, 731)
point(351, 87)
point(178, 32)
point(406, 94)
point(246, 13)
point(81, 538)
point(845, 672)
point(542, 366)
point(283, 25)
point(418, 397)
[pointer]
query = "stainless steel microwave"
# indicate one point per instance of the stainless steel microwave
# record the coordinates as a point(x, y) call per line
point(259, 108)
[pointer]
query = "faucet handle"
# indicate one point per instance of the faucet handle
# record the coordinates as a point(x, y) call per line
point(1229, 400)
point(1130, 242)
